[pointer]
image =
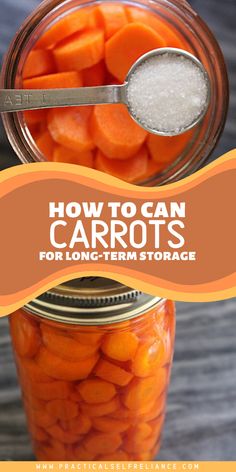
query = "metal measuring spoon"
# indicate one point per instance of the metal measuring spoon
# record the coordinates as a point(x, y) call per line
point(21, 100)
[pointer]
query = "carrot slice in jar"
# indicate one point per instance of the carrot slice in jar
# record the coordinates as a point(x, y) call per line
point(38, 62)
point(130, 171)
point(62, 154)
point(63, 410)
point(67, 26)
point(81, 454)
point(79, 425)
point(30, 369)
point(35, 117)
point(109, 425)
point(95, 75)
point(139, 38)
point(40, 418)
point(96, 391)
point(54, 451)
point(113, 373)
point(25, 335)
point(144, 446)
point(39, 434)
point(120, 346)
point(115, 133)
point(112, 17)
point(65, 346)
point(61, 369)
point(99, 443)
point(164, 150)
point(65, 437)
point(82, 51)
point(52, 390)
point(92, 336)
point(101, 409)
point(148, 358)
point(145, 390)
point(60, 80)
point(69, 127)
point(45, 144)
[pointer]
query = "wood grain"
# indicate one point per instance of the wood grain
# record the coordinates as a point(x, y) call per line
point(201, 416)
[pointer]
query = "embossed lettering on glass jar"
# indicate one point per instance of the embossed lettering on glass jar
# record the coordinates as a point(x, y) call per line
point(94, 360)
point(181, 22)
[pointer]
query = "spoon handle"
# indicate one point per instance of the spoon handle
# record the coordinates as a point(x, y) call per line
point(22, 100)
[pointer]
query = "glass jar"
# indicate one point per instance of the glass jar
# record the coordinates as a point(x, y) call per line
point(178, 15)
point(94, 360)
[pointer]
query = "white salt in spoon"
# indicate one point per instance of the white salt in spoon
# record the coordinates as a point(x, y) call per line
point(167, 92)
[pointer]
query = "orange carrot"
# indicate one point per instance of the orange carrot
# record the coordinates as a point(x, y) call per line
point(38, 62)
point(101, 409)
point(115, 133)
point(59, 80)
point(63, 410)
point(51, 391)
point(95, 75)
point(79, 425)
point(65, 346)
point(165, 150)
point(82, 51)
point(31, 370)
point(96, 391)
point(25, 335)
point(91, 336)
point(65, 437)
point(158, 24)
point(81, 454)
point(112, 17)
point(143, 392)
point(109, 425)
point(35, 117)
point(61, 154)
point(149, 357)
point(130, 170)
point(153, 169)
point(69, 127)
point(69, 25)
point(127, 45)
point(61, 369)
point(38, 433)
point(45, 144)
point(120, 346)
point(113, 373)
point(101, 443)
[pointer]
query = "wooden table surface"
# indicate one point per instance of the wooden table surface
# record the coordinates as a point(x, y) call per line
point(201, 416)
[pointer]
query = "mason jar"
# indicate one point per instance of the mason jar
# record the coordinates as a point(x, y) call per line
point(94, 360)
point(196, 37)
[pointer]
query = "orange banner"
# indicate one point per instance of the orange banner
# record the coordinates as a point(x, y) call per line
point(124, 466)
point(60, 222)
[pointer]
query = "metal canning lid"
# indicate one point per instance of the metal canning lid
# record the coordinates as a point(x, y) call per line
point(91, 301)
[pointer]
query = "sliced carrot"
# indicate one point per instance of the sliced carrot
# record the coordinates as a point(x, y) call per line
point(115, 133)
point(99, 443)
point(120, 346)
point(112, 17)
point(62, 154)
point(144, 391)
point(38, 62)
point(96, 391)
point(164, 150)
point(131, 170)
point(45, 144)
point(156, 409)
point(30, 369)
point(69, 127)
point(53, 451)
point(167, 32)
point(39, 434)
point(61, 369)
point(144, 446)
point(109, 425)
point(64, 346)
point(134, 415)
point(52, 390)
point(116, 456)
point(25, 335)
point(60, 80)
point(63, 410)
point(35, 117)
point(79, 425)
point(157, 425)
point(92, 336)
point(65, 437)
point(127, 45)
point(101, 409)
point(95, 75)
point(140, 432)
point(81, 454)
point(69, 25)
point(153, 168)
point(113, 373)
point(40, 418)
point(75, 396)
point(149, 357)
point(82, 51)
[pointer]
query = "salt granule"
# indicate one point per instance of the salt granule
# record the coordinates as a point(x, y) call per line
point(167, 93)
